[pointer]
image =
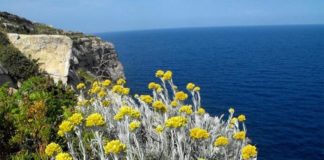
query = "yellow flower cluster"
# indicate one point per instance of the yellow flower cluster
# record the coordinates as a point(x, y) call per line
point(65, 126)
point(63, 156)
point(127, 111)
point(53, 149)
point(76, 118)
point(234, 120)
point(155, 86)
point(241, 118)
point(176, 122)
point(81, 86)
point(181, 96)
point(174, 103)
point(159, 73)
point(95, 88)
point(95, 119)
point(102, 93)
point(134, 125)
point(146, 98)
point(198, 133)
point(249, 151)
point(221, 141)
point(167, 76)
point(114, 147)
point(190, 86)
point(201, 111)
point(106, 83)
point(159, 129)
point(239, 135)
point(120, 89)
point(231, 110)
point(159, 106)
point(196, 89)
point(121, 81)
point(187, 109)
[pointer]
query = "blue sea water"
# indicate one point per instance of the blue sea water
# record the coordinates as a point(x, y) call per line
point(274, 75)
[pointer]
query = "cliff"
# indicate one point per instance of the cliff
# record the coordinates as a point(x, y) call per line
point(67, 56)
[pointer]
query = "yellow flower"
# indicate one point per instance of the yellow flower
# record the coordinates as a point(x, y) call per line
point(53, 149)
point(76, 118)
point(118, 117)
point(146, 98)
point(174, 103)
point(63, 156)
point(231, 110)
point(60, 133)
point(153, 85)
point(105, 103)
point(125, 91)
point(159, 129)
point(167, 75)
point(159, 89)
point(198, 133)
point(114, 147)
point(117, 89)
point(106, 83)
point(66, 126)
point(121, 81)
point(176, 122)
point(196, 89)
point(159, 106)
point(186, 109)
point(239, 135)
point(81, 86)
point(221, 141)
point(95, 119)
point(241, 118)
point(181, 96)
point(159, 73)
point(95, 89)
point(127, 111)
point(134, 125)
point(234, 120)
point(190, 86)
point(102, 94)
point(135, 113)
point(249, 151)
point(201, 111)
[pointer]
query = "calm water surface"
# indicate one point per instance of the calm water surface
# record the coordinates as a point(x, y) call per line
point(274, 75)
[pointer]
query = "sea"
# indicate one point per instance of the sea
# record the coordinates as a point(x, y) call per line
point(272, 74)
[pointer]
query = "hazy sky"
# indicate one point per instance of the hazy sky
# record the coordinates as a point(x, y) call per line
point(116, 15)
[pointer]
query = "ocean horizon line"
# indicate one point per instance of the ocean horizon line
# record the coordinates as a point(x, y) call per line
point(208, 27)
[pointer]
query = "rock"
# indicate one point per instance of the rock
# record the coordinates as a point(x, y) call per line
point(5, 78)
point(68, 56)
point(53, 52)
point(97, 57)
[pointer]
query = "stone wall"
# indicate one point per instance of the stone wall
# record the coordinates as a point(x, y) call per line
point(53, 52)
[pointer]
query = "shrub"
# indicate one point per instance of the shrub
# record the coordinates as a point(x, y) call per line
point(18, 66)
point(31, 112)
point(161, 126)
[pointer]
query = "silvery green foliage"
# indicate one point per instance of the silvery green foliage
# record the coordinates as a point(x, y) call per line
point(145, 142)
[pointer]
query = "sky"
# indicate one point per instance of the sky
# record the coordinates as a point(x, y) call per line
point(95, 16)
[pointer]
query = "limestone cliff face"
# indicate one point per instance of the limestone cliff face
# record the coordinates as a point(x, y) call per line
point(95, 57)
point(53, 52)
point(67, 56)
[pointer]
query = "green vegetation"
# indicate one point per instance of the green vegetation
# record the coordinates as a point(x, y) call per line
point(29, 116)
point(85, 76)
point(19, 66)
